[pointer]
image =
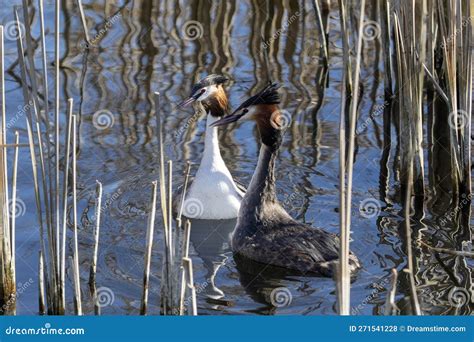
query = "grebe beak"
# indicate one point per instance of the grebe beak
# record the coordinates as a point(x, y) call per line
point(192, 98)
point(186, 102)
point(230, 118)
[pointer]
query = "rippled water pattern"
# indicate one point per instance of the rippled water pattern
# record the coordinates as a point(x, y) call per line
point(148, 46)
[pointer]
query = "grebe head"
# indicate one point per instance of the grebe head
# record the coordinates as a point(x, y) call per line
point(263, 109)
point(210, 92)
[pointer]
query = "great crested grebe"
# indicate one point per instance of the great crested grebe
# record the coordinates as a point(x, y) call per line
point(265, 232)
point(213, 194)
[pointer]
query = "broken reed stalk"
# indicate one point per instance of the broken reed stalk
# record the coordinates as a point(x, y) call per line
point(170, 279)
point(93, 268)
point(149, 248)
point(345, 238)
point(183, 195)
point(391, 307)
point(41, 306)
point(77, 279)
point(84, 22)
point(69, 120)
point(170, 212)
point(77, 300)
point(188, 266)
point(187, 235)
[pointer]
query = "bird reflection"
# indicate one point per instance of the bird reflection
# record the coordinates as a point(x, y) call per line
point(264, 283)
point(211, 239)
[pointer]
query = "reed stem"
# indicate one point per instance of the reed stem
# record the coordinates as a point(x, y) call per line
point(65, 200)
point(84, 22)
point(13, 205)
point(188, 266)
point(74, 213)
point(93, 269)
point(391, 307)
point(57, 140)
point(41, 306)
point(149, 248)
point(345, 279)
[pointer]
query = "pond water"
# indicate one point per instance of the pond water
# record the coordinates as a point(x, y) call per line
point(148, 46)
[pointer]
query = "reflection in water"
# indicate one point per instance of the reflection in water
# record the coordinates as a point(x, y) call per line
point(211, 241)
point(261, 281)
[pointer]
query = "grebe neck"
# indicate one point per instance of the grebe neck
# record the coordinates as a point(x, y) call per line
point(211, 142)
point(263, 179)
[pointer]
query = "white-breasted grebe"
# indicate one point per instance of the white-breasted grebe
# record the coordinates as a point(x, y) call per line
point(213, 194)
point(265, 232)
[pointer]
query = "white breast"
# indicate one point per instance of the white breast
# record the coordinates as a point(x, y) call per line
point(213, 193)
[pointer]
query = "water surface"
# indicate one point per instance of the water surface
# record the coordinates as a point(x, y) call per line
point(146, 48)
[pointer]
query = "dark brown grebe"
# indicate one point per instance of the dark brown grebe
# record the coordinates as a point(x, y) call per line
point(265, 232)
